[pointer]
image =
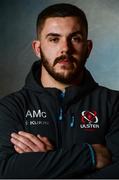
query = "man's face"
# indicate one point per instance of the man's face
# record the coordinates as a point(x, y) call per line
point(63, 48)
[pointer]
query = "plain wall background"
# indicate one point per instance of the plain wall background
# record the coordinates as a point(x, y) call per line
point(17, 31)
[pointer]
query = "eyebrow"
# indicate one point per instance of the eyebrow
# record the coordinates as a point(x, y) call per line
point(58, 35)
point(52, 34)
point(76, 33)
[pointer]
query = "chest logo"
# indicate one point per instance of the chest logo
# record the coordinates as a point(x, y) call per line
point(35, 114)
point(89, 120)
point(35, 118)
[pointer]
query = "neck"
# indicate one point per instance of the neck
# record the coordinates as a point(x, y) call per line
point(49, 81)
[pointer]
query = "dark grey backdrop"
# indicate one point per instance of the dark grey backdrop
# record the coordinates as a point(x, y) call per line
point(17, 30)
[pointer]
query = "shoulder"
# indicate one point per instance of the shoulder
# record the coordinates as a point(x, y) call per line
point(108, 91)
point(110, 96)
point(13, 101)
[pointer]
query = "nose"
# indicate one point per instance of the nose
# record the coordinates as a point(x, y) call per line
point(66, 46)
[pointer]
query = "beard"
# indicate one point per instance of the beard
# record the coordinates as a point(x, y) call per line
point(74, 69)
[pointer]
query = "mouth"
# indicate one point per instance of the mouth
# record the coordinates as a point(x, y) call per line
point(65, 61)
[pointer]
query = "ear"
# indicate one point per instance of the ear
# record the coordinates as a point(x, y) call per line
point(36, 47)
point(89, 47)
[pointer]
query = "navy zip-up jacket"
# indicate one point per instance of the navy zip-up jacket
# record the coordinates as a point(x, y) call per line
point(73, 121)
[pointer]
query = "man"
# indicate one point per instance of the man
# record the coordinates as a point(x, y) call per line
point(61, 124)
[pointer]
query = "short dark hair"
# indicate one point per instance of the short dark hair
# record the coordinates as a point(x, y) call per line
point(61, 10)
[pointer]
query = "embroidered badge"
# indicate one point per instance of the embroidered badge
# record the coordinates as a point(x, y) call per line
point(89, 120)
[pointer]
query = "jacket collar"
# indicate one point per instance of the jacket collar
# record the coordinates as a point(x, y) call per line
point(72, 93)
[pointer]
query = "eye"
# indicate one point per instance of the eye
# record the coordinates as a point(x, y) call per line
point(76, 39)
point(54, 39)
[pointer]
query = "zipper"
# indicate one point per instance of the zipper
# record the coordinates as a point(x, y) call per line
point(72, 123)
point(61, 114)
point(60, 120)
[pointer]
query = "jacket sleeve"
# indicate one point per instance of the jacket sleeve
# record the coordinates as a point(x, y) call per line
point(52, 164)
point(46, 165)
point(112, 143)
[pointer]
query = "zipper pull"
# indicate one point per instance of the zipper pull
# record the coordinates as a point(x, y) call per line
point(72, 121)
point(62, 94)
point(61, 114)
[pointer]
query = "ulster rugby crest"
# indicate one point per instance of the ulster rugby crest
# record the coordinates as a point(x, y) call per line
point(89, 120)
